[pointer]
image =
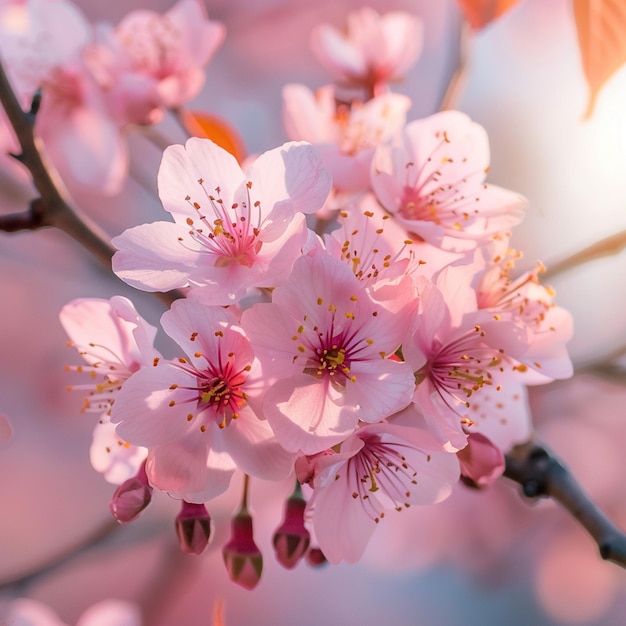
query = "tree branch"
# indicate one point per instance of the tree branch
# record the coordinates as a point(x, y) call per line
point(542, 474)
point(51, 208)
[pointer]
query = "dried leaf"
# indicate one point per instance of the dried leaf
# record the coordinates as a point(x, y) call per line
point(601, 27)
point(479, 13)
point(199, 124)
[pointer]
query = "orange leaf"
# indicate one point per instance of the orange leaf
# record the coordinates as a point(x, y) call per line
point(601, 27)
point(200, 124)
point(479, 13)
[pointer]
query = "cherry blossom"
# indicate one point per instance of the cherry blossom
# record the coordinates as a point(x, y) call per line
point(194, 414)
point(115, 341)
point(534, 305)
point(232, 231)
point(434, 183)
point(150, 61)
point(324, 345)
point(465, 371)
point(374, 50)
point(377, 248)
point(381, 467)
point(42, 43)
point(345, 134)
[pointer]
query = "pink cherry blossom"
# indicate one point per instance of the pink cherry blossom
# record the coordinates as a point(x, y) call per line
point(534, 305)
point(194, 413)
point(434, 184)
point(41, 43)
point(377, 248)
point(467, 373)
point(324, 345)
point(381, 467)
point(115, 341)
point(152, 61)
point(344, 134)
point(374, 50)
point(27, 612)
point(232, 231)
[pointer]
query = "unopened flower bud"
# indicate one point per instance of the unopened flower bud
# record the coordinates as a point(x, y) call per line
point(243, 560)
point(193, 527)
point(131, 497)
point(481, 461)
point(291, 539)
point(315, 557)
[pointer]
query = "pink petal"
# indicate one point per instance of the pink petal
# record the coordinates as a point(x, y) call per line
point(151, 257)
point(183, 166)
point(254, 448)
point(306, 415)
point(291, 172)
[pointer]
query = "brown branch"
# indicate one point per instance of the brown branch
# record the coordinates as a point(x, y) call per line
point(459, 76)
point(96, 537)
point(540, 473)
point(608, 246)
point(51, 208)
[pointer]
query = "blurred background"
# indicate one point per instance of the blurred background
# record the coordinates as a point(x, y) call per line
point(482, 557)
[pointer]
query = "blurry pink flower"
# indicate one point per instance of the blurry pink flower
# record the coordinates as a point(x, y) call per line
point(193, 413)
point(232, 230)
point(37, 36)
point(26, 612)
point(434, 184)
point(345, 135)
point(84, 142)
point(41, 43)
point(115, 341)
point(151, 61)
point(379, 468)
point(324, 343)
point(374, 50)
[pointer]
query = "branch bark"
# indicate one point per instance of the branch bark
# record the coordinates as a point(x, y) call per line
point(540, 473)
point(52, 208)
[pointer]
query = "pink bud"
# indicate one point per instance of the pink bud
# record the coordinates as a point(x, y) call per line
point(131, 497)
point(243, 560)
point(291, 539)
point(315, 557)
point(482, 462)
point(193, 527)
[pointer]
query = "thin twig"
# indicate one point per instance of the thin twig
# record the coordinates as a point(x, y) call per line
point(608, 246)
point(51, 208)
point(458, 78)
point(97, 537)
point(540, 473)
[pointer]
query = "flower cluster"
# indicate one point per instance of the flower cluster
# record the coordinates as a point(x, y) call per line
point(97, 80)
point(351, 318)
